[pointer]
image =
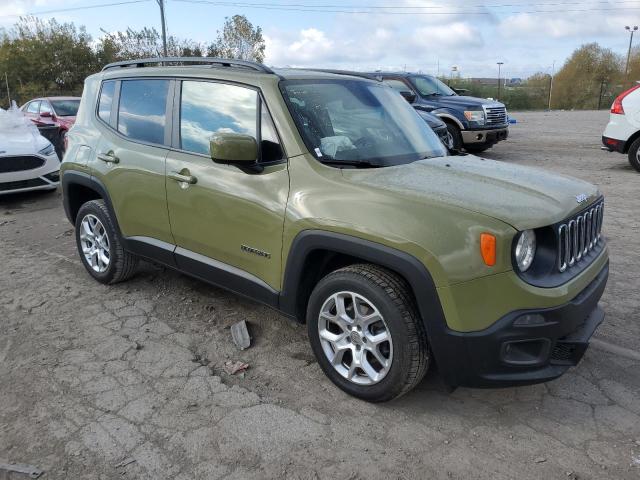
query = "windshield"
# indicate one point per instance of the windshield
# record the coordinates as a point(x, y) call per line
point(428, 86)
point(357, 122)
point(66, 108)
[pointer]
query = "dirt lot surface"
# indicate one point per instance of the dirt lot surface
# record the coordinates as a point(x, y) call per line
point(126, 381)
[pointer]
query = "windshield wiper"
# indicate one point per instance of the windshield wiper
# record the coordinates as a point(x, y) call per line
point(351, 163)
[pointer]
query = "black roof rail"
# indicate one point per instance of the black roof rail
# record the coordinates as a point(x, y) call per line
point(368, 76)
point(222, 62)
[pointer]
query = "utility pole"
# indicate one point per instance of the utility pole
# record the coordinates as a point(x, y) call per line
point(164, 27)
point(631, 30)
point(499, 67)
point(6, 79)
point(553, 72)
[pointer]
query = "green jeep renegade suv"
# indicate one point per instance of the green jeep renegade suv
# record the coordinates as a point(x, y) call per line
point(327, 197)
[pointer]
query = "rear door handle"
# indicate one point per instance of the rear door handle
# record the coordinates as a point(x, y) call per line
point(108, 157)
point(178, 177)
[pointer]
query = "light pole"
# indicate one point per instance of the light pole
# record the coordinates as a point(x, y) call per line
point(499, 67)
point(631, 30)
point(164, 27)
point(553, 72)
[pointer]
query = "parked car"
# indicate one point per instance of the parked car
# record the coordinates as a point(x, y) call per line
point(622, 133)
point(439, 127)
point(28, 161)
point(327, 197)
point(475, 124)
point(54, 116)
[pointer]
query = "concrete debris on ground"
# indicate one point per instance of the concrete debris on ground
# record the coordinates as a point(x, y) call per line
point(233, 367)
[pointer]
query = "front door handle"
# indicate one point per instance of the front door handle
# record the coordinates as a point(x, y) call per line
point(178, 177)
point(108, 157)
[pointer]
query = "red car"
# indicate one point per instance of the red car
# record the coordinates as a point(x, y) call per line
point(54, 116)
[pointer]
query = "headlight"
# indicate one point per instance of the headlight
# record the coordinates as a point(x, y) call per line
point(476, 116)
point(48, 150)
point(525, 250)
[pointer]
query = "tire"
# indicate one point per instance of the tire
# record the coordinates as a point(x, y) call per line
point(384, 297)
point(634, 154)
point(477, 148)
point(455, 135)
point(121, 264)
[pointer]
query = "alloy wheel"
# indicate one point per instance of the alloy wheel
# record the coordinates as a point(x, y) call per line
point(95, 243)
point(355, 338)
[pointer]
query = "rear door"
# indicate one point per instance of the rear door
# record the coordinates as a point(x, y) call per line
point(130, 155)
point(231, 215)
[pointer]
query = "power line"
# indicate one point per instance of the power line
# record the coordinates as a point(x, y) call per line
point(320, 9)
point(72, 9)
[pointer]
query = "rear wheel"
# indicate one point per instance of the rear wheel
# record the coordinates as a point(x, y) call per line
point(634, 154)
point(99, 247)
point(366, 334)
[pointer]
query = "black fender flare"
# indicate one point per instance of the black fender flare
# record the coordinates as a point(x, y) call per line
point(70, 178)
point(404, 264)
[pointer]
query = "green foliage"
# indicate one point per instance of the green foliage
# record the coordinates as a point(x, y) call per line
point(144, 43)
point(238, 39)
point(45, 58)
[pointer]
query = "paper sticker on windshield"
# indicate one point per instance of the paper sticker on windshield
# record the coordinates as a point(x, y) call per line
point(318, 152)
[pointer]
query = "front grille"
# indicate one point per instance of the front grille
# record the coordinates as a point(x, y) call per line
point(563, 352)
point(496, 115)
point(34, 182)
point(20, 163)
point(579, 236)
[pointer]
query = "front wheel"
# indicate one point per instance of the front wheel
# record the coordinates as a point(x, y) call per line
point(634, 154)
point(366, 333)
point(456, 137)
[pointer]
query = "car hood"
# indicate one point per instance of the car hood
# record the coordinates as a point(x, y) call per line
point(21, 142)
point(462, 101)
point(523, 197)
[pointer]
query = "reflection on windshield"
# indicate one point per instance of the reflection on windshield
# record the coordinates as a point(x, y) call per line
point(428, 86)
point(359, 122)
point(66, 108)
point(207, 108)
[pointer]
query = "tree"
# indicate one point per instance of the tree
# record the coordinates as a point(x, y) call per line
point(239, 39)
point(144, 43)
point(585, 76)
point(45, 57)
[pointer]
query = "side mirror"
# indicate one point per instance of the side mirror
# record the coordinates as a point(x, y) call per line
point(46, 115)
point(460, 91)
point(408, 95)
point(233, 148)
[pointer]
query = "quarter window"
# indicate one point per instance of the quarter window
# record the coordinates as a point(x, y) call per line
point(106, 100)
point(207, 108)
point(45, 108)
point(142, 110)
point(33, 107)
point(270, 149)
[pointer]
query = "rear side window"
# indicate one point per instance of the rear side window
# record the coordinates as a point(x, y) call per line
point(207, 108)
point(142, 110)
point(45, 108)
point(106, 100)
point(397, 84)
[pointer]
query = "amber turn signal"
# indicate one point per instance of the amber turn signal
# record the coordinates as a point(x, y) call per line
point(488, 248)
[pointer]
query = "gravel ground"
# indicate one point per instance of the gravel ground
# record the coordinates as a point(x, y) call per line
point(126, 381)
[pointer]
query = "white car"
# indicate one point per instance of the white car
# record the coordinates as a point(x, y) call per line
point(622, 133)
point(28, 161)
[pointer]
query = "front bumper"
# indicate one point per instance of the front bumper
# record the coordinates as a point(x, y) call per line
point(484, 137)
point(44, 177)
point(511, 354)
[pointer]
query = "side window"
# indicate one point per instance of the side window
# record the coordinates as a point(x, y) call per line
point(142, 109)
point(33, 107)
point(207, 108)
point(397, 84)
point(270, 149)
point(45, 107)
point(106, 100)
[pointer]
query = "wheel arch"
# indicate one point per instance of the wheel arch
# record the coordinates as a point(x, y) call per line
point(79, 188)
point(630, 141)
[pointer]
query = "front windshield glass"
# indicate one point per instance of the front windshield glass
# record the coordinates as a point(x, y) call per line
point(428, 86)
point(358, 122)
point(66, 108)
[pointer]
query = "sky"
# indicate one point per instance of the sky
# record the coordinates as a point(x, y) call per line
point(414, 35)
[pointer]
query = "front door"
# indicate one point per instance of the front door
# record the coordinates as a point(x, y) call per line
point(229, 218)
